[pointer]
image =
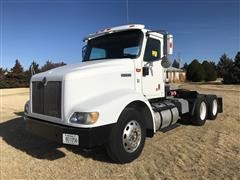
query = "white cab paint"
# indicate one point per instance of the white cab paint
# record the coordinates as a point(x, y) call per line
point(153, 84)
point(97, 86)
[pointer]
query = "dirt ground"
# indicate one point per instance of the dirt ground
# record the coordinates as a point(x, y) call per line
point(186, 152)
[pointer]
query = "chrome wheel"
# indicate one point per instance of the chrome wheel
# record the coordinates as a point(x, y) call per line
point(131, 137)
point(203, 111)
point(214, 107)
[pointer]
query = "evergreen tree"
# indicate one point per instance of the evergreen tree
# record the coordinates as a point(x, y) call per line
point(195, 71)
point(209, 72)
point(213, 65)
point(185, 66)
point(47, 66)
point(237, 59)
point(17, 71)
point(17, 68)
point(175, 64)
point(2, 75)
point(224, 68)
point(236, 69)
point(50, 65)
point(224, 65)
point(16, 77)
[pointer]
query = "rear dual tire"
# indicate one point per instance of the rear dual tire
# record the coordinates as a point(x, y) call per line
point(200, 112)
point(205, 108)
point(212, 106)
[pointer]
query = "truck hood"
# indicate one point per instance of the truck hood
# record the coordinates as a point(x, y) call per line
point(93, 67)
point(83, 85)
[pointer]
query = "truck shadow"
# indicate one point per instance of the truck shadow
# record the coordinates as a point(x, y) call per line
point(13, 133)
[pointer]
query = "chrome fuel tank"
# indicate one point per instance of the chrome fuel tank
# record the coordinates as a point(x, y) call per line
point(165, 114)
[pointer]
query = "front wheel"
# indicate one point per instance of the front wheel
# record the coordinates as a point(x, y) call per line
point(127, 137)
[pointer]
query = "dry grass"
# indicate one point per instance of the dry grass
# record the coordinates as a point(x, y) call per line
point(186, 152)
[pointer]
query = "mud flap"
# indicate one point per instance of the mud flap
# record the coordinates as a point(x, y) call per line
point(220, 108)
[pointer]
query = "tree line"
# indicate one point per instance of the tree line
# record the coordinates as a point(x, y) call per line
point(18, 77)
point(226, 68)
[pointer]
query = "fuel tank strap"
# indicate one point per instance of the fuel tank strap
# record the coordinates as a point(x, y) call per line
point(167, 107)
point(170, 108)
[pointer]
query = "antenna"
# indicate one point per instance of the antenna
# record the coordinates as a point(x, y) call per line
point(127, 16)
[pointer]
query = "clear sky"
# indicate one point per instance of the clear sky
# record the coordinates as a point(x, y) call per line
point(43, 30)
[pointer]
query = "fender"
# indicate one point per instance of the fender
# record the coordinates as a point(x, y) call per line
point(110, 106)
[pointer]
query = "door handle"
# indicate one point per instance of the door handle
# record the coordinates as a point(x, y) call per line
point(145, 71)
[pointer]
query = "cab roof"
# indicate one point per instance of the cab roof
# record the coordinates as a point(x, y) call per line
point(113, 29)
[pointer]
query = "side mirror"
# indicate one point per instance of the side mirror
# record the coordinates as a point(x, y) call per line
point(165, 63)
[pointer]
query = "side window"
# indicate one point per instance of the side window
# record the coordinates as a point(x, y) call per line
point(152, 51)
point(97, 53)
point(133, 51)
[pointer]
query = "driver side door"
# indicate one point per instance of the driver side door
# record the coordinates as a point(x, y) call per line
point(153, 81)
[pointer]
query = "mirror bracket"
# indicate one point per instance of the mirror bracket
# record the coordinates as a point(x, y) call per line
point(145, 71)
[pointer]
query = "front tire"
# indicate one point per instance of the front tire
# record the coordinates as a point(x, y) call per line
point(127, 138)
point(200, 112)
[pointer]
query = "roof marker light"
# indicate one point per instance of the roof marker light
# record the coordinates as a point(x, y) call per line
point(108, 29)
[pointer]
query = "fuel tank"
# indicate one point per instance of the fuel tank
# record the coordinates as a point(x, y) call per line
point(165, 114)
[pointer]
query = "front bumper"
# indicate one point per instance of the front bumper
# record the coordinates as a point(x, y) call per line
point(88, 137)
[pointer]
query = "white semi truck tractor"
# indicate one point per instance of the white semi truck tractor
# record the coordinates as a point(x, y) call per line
point(116, 97)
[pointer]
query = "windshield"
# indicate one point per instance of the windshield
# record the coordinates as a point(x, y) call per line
point(125, 44)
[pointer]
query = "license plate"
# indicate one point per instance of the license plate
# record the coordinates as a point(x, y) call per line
point(72, 139)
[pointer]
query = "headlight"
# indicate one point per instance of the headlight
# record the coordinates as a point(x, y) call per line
point(84, 117)
point(26, 108)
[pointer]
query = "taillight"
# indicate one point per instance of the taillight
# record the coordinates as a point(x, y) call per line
point(172, 93)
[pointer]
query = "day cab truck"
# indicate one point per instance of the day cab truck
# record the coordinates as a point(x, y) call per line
point(116, 97)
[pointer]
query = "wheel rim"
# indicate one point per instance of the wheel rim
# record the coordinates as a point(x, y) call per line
point(203, 111)
point(214, 107)
point(131, 137)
